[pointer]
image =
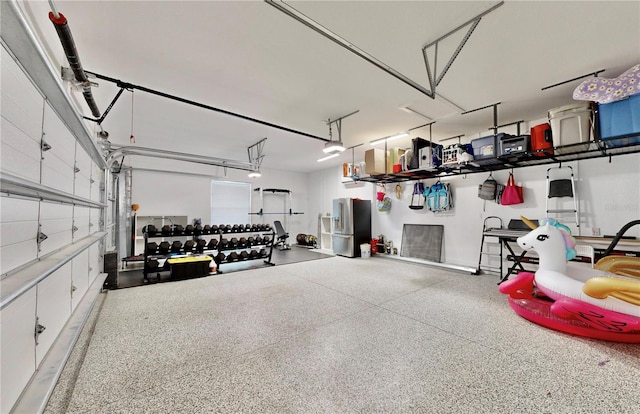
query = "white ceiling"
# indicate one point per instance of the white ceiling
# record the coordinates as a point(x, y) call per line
point(249, 58)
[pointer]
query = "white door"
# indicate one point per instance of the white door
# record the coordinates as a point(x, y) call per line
point(94, 220)
point(56, 222)
point(17, 347)
point(53, 308)
point(58, 161)
point(79, 278)
point(18, 229)
point(21, 121)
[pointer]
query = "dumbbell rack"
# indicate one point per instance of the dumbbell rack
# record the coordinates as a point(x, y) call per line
point(218, 253)
point(223, 248)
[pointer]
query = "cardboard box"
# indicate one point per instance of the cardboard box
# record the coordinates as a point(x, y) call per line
point(374, 161)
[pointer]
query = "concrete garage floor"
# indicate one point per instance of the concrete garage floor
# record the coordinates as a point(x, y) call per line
point(132, 276)
point(336, 336)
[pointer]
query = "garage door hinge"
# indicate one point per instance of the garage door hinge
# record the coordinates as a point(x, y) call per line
point(44, 146)
point(76, 169)
point(42, 237)
point(39, 329)
point(74, 229)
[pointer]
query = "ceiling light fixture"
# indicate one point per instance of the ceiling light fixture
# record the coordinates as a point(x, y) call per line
point(333, 146)
point(255, 174)
point(335, 154)
point(391, 138)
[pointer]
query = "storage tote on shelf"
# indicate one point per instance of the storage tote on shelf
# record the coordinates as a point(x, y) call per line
point(485, 149)
point(571, 125)
point(620, 122)
point(457, 154)
point(423, 155)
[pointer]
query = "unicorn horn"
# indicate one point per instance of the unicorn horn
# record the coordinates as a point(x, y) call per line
point(529, 223)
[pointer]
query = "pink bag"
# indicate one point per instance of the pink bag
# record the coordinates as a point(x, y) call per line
point(512, 193)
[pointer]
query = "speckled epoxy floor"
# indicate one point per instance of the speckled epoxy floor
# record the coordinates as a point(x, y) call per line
point(338, 335)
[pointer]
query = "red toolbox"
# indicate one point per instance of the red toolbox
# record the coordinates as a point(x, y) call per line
point(541, 139)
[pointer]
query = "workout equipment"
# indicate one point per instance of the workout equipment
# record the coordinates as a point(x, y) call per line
point(200, 245)
point(213, 243)
point(281, 236)
point(164, 247)
point(224, 243)
point(244, 255)
point(206, 229)
point(176, 246)
point(151, 247)
point(189, 245)
point(188, 230)
point(166, 230)
point(150, 229)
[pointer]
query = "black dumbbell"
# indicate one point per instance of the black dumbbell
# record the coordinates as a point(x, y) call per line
point(263, 252)
point(177, 229)
point(220, 258)
point(166, 230)
point(215, 229)
point(206, 229)
point(200, 245)
point(152, 264)
point(176, 246)
point(266, 239)
point(224, 243)
point(164, 247)
point(233, 257)
point(152, 247)
point(228, 228)
point(150, 229)
point(189, 245)
point(253, 254)
point(244, 255)
point(197, 230)
point(258, 240)
point(242, 242)
point(250, 241)
point(213, 244)
point(188, 230)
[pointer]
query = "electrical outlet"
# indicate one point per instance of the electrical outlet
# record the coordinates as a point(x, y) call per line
point(595, 231)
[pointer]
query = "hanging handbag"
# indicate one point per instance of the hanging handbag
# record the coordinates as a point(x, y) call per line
point(512, 193)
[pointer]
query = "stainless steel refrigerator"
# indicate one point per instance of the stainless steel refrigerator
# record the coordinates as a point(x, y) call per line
point(351, 226)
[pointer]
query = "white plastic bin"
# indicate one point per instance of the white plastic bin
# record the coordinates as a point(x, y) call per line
point(570, 124)
point(365, 250)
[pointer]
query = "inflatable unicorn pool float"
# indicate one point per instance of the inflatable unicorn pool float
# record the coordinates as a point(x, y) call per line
point(571, 297)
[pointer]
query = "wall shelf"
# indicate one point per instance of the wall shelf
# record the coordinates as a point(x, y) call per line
point(627, 144)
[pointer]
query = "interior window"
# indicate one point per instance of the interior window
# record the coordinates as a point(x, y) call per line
point(230, 202)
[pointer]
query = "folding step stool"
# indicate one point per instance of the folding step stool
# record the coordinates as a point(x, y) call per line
point(559, 188)
point(484, 245)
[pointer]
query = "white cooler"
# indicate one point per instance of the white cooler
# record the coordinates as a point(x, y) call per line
point(571, 124)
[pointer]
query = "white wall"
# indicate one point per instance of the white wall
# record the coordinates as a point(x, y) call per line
point(167, 193)
point(609, 195)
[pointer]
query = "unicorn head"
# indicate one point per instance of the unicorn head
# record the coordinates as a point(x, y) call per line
point(553, 243)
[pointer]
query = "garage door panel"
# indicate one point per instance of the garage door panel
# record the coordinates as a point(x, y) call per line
point(79, 278)
point(18, 231)
point(56, 222)
point(57, 135)
point(19, 154)
point(56, 173)
point(15, 255)
point(53, 307)
point(81, 222)
point(82, 186)
point(15, 209)
point(21, 102)
point(94, 220)
point(94, 262)
point(83, 161)
point(17, 347)
point(55, 210)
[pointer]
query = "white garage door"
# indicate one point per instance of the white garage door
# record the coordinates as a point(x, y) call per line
point(56, 222)
point(21, 121)
point(58, 161)
point(19, 229)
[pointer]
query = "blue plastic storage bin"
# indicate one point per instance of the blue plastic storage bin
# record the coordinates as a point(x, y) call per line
point(620, 119)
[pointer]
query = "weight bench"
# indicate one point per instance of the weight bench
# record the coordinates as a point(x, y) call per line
point(281, 236)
